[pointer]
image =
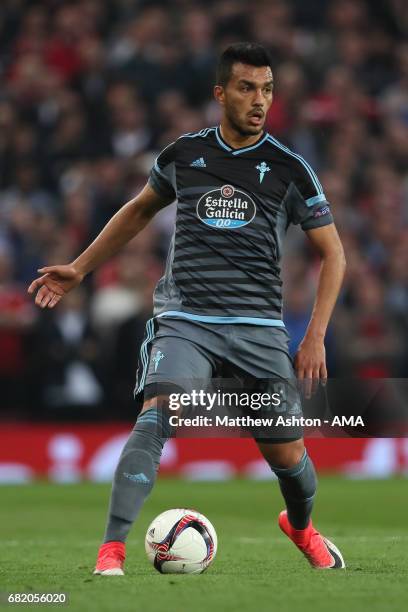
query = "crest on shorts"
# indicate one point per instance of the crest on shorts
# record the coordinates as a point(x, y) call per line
point(157, 359)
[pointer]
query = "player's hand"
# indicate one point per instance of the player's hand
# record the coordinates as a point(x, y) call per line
point(310, 365)
point(54, 283)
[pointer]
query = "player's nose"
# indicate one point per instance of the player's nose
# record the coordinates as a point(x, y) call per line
point(258, 99)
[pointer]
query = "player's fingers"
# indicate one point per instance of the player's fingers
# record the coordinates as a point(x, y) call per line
point(323, 374)
point(47, 299)
point(41, 293)
point(54, 301)
point(315, 380)
point(308, 383)
point(47, 295)
point(58, 272)
point(36, 283)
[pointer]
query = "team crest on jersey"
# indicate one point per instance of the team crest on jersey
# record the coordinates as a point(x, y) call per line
point(262, 168)
point(226, 208)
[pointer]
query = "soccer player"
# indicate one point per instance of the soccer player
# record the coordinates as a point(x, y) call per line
point(219, 302)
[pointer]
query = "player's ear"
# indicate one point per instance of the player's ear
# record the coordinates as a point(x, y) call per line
point(219, 94)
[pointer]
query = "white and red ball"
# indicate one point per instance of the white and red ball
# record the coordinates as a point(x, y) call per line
point(181, 541)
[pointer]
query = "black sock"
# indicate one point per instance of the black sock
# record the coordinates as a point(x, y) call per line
point(298, 485)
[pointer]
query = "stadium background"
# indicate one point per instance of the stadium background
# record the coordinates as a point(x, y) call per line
point(90, 91)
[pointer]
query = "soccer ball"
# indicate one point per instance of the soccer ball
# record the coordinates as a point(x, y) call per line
point(181, 541)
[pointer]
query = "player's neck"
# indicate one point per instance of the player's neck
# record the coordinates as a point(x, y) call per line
point(236, 140)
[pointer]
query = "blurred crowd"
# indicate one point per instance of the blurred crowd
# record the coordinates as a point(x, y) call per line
point(91, 90)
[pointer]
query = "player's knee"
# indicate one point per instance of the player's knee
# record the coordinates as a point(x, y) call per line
point(159, 401)
point(283, 456)
point(145, 444)
point(154, 421)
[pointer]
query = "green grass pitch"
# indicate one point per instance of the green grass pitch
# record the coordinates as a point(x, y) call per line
point(50, 534)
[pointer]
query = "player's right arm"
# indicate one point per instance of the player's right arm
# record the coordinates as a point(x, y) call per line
point(56, 281)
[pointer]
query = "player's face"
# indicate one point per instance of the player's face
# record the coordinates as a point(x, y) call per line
point(246, 98)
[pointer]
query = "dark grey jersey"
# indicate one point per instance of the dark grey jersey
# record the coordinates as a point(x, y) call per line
point(233, 209)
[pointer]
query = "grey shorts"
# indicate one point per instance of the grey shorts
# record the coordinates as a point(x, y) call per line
point(178, 355)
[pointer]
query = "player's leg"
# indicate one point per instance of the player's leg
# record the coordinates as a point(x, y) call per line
point(136, 471)
point(263, 355)
point(298, 483)
point(174, 363)
point(133, 481)
point(296, 476)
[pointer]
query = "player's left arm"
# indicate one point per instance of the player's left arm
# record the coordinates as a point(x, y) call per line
point(306, 205)
point(310, 359)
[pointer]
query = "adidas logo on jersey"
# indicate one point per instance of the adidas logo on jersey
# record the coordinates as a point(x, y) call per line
point(198, 163)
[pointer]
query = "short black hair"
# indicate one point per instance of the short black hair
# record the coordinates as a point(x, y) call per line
point(243, 52)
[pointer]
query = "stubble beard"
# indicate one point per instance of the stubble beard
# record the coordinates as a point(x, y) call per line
point(243, 131)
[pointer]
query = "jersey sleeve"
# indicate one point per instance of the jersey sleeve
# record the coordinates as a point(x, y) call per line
point(163, 174)
point(305, 201)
